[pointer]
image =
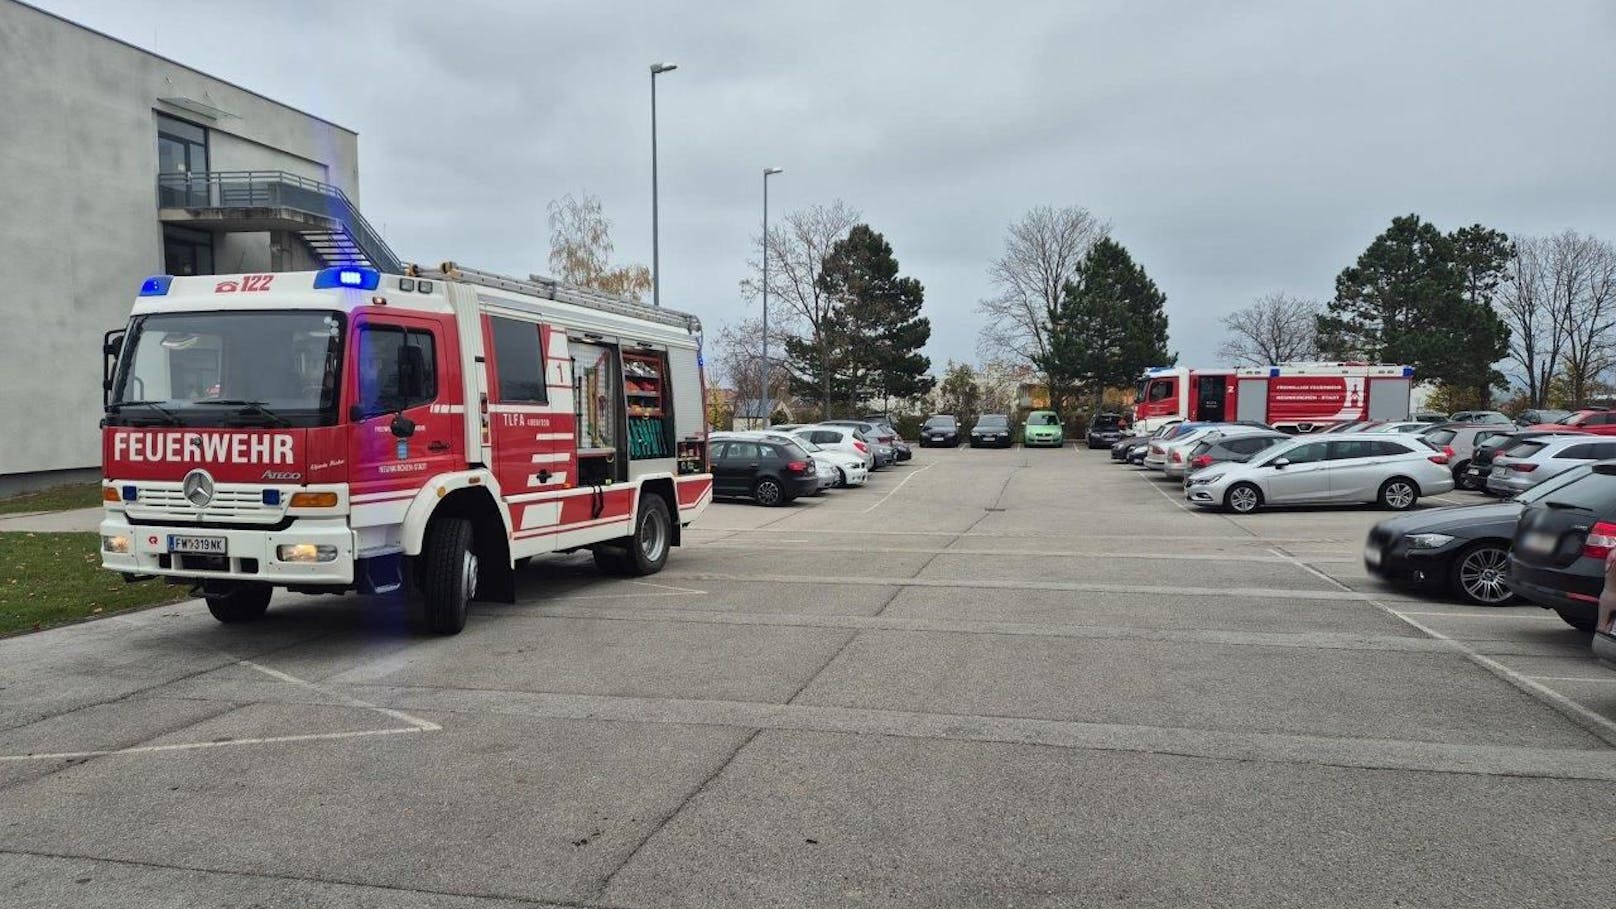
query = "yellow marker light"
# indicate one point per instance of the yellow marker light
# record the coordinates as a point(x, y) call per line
point(314, 500)
point(442, 492)
point(110, 494)
point(305, 552)
point(115, 544)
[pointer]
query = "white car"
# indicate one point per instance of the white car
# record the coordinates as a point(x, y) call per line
point(836, 468)
point(1180, 449)
point(845, 439)
point(1391, 469)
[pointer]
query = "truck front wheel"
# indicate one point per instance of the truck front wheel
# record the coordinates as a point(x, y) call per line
point(245, 601)
point(448, 576)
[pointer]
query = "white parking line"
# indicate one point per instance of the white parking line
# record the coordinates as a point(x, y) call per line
point(882, 500)
point(1482, 615)
point(1146, 477)
point(1571, 678)
point(1594, 722)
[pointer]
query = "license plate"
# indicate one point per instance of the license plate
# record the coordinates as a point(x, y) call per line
point(1371, 555)
point(197, 545)
point(1500, 471)
point(1539, 541)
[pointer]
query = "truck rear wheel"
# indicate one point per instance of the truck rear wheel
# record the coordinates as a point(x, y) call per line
point(245, 601)
point(448, 576)
point(647, 550)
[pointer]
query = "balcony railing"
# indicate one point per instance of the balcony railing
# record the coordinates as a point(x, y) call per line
point(275, 189)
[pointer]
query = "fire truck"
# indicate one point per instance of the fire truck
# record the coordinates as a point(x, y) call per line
point(1294, 397)
point(420, 433)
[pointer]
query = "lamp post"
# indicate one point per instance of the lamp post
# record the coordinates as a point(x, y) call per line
point(763, 399)
point(656, 264)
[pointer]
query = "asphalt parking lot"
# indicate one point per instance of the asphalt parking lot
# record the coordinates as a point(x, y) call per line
point(991, 678)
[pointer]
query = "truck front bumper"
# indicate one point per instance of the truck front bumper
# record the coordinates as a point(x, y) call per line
point(249, 555)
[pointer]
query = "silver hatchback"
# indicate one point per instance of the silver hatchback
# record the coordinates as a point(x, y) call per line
point(1528, 463)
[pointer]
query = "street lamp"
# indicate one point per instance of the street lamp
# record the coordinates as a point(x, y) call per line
point(763, 399)
point(656, 269)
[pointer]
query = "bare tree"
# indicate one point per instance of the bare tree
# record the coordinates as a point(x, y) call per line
point(1041, 253)
point(1527, 304)
point(797, 247)
point(737, 359)
point(1582, 287)
point(581, 249)
point(1277, 328)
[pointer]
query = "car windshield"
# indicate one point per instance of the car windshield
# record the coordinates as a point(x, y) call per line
point(799, 441)
point(1042, 419)
point(1107, 421)
point(1525, 449)
point(243, 368)
point(993, 421)
point(941, 423)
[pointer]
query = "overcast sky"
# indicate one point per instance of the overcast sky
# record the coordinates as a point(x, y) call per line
point(1236, 148)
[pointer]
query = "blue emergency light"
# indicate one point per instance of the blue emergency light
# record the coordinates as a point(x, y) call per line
point(156, 285)
point(347, 276)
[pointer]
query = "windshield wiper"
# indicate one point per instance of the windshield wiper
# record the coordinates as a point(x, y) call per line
point(248, 408)
point(168, 415)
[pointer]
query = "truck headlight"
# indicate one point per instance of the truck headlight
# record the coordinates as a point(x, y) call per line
point(1428, 540)
point(305, 552)
point(118, 544)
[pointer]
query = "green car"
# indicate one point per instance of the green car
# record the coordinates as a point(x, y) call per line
point(1043, 427)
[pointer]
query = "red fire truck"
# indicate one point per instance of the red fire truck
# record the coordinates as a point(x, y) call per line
point(348, 430)
point(1295, 397)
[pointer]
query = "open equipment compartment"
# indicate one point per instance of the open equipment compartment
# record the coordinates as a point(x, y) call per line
point(649, 405)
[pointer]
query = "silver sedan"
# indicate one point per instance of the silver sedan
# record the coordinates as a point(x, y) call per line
point(1391, 470)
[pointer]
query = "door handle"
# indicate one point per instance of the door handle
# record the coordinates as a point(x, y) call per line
point(753, 464)
point(437, 447)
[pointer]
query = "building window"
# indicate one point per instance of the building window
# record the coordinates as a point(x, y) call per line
point(182, 148)
point(187, 252)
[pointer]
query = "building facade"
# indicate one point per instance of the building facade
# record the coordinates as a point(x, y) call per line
point(117, 164)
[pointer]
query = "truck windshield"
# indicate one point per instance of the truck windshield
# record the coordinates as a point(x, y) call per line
point(230, 369)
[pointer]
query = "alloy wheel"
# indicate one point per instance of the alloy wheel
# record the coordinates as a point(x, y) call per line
point(1481, 575)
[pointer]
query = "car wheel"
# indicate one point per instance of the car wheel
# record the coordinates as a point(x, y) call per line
point(243, 602)
point(1398, 494)
point(1580, 619)
point(769, 492)
point(1478, 574)
point(1242, 498)
point(841, 478)
point(1461, 480)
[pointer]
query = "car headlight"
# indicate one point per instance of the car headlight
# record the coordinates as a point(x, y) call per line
point(1428, 540)
point(1207, 480)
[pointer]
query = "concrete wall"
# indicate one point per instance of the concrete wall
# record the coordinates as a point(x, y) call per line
point(78, 213)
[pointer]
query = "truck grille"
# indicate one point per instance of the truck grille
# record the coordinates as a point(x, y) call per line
point(229, 504)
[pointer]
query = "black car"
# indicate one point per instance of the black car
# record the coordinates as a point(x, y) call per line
point(993, 429)
point(941, 429)
point(1105, 430)
point(772, 473)
point(1234, 448)
point(1558, 552)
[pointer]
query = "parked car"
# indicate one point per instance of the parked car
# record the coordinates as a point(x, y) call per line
point(1105, 429)
point(841, 468)
point(881, 438)
point(1349, 468)
point(845, 439)
point(1164, 456)
point(1415, 426)
point(1460, 440)
point(889, 428)
point(1531, 462)
point(1429, 416)
point(1481, 460)
point(1043, 427)
point(1238, 447)
point(940, 429)
point(1160, 452)
point(1597, 422)
point(1182, 453)
point(992, 429)
point(1557, 555)
point(771, 473)
point(1535, 416)
point(1462, 550)
point(1352, 426)
point(1479, 416)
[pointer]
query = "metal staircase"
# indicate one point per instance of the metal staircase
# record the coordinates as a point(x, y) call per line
point(321, 214)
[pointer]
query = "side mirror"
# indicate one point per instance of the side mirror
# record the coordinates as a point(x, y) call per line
point(402, 426)
point(1280, 463)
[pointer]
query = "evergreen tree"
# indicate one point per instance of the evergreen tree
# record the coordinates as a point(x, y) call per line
point(1108, 326)
point(878, 331)
point(1421, 297)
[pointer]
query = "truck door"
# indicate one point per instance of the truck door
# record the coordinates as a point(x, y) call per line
point(400, 368)
point(532, 434)
point(1210, 398)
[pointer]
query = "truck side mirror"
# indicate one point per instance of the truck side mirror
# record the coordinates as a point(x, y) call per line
point(402, 426)
point(111, 347)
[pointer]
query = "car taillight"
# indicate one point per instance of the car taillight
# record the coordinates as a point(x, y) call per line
point(1439, 458)
point(863, 448)
point(1600, 540)
point(1523, 467)
point(1177, 458)
point(1155, 449)
point(797, 466)
point(1202, 460)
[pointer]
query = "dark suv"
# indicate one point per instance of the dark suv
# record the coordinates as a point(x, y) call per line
point(941, 429)
point(1105, 430)
point(773, 473)
point(1557, 559)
